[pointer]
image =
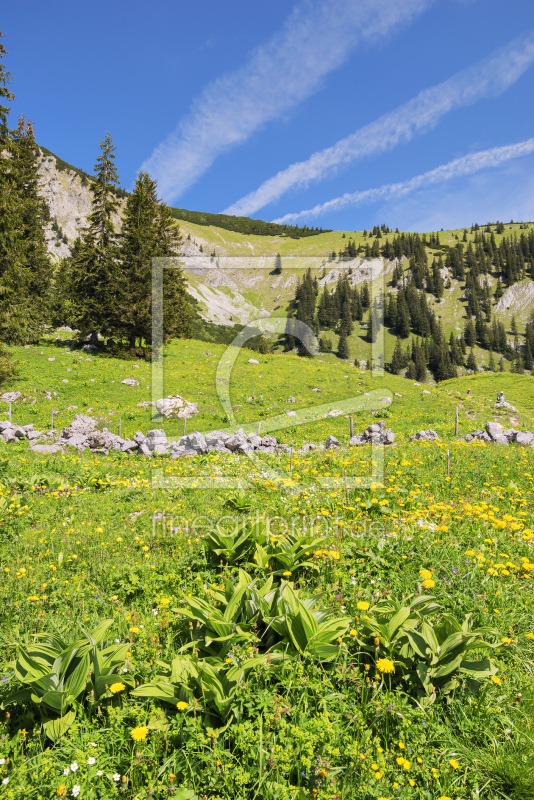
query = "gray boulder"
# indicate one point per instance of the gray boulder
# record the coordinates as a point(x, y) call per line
point(193, 441)
point(283, 448)
point(31, 435)
point(500, 439)
point(505, 405)
point(335, 412)
point(235, 440)
point(524, 438)
point(77, 440)
point(218, 448)
point(46, 448)
point(494, 429)
point(99, 439)
point(155, 437)
point(332, 442)
point(245, 448)
point(376, 427)
point(254, 440)
point(357, 440)
point(216, 439)
point(143, 450)
point(4, 425)
point(268, 441)
point(128, 445)
point(10, 397)
point(307, 448)
point(139, 437)
point(8, 435)
point(389, 436)
point(83, 424)
point(427, 436)
point(130, 382)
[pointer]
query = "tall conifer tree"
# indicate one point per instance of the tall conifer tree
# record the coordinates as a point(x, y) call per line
point(25, 267)
point(94, 278)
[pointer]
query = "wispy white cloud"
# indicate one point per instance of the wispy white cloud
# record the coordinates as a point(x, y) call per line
point(488, 77)
point(460, 167)
point(316, 38)
point(482, 197)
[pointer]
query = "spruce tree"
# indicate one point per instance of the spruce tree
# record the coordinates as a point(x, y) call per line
point(491, 362)
point(343, 345)
point(528, 358)
point(25, 268)
point(397, 360)
point(471, 361)
point(176, 306)
point(94, 271)
point(420, 365)
point(501, 365)
point(137, 248)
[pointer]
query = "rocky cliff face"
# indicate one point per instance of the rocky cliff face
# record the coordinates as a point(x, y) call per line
point(69, 201)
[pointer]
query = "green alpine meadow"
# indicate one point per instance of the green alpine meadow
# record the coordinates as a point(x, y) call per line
point(266, 486)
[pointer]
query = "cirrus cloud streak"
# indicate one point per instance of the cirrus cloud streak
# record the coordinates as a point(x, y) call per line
point(459, 167)
point(487, 78)
point(317, 37)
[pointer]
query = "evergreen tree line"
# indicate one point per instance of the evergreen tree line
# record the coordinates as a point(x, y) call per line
point(105, 286)
point(336, 309)
point(25, 268)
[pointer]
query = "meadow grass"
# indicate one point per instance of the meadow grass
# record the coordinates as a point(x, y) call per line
point(88, 537)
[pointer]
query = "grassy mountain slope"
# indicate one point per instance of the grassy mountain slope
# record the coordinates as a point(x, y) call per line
point(84, 381)
point(232, 276)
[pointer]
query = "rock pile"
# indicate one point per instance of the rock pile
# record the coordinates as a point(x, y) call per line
point(377, 433)
point(494, 433)
point(425, 436)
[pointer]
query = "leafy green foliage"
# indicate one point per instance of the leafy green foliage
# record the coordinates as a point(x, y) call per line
point(430, 656)
point(61, 676)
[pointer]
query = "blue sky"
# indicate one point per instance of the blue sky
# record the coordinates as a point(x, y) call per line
point(341, 114)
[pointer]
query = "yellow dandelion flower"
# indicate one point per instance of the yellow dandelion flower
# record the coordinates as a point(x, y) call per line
point(425, 573)
point(496, 680)
point(181, 706)
point(385, 665)
point(362, 605)
point(355, 633)
point(454, 764)
point(428, 583)
point(115, 688)
point(139, 734)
